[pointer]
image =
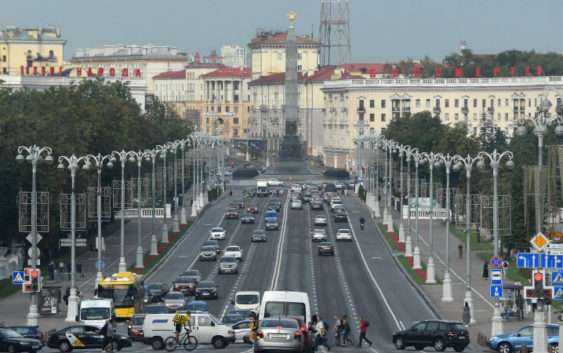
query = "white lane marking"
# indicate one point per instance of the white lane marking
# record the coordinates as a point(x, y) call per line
point(342, 277)
point(455, 273)
point(281, 245)
point(372, 277)
point(376, 258)
point(312, 266)
point(215, 268)
point(373, 350)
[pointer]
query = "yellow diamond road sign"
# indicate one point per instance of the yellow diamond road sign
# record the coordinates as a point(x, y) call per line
point(540, 241)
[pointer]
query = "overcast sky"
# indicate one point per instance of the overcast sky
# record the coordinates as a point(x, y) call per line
point(382, 30)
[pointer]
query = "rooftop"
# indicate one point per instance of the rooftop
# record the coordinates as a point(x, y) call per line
point(198, 65)
point(171, 75)
point(326, 73)
point(270, 38)
point(229, 72)
point(119, 50)
point(31, 34)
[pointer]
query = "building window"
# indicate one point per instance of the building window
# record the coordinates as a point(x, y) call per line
point(235, 120)
point(383, 104)
point(417, 103)
point(218, 109)
point(427, 103)
point(499, 102)
point(5, 71)
point(372, 117)
point(382, 117)
point(505, 116)
point(4, 58)
point(227, 108)
point(447, 103)
point(484, 103)
point(395, 108)
point(456, 116)
point(372, 103)
point(475, 103)
point(447, 116)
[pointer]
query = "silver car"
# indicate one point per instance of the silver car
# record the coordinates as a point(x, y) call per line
point(279, 334)
point(208, 253)
point(174, 300)
point(228, 264)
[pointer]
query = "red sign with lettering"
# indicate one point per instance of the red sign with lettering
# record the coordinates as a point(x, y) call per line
point(477, 71)
point(458, 72)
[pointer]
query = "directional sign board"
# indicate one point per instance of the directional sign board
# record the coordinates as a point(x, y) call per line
point(17, 277)
point(496, 291)
point(539, 260)
point(558, 293)
point(66, 242)
point(539, 241)
point(496, 277)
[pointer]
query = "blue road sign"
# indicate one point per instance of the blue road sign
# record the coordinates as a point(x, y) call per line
point(496, 262)
point(558, 293)
point(17, 277)
point(537, 260)
point(100, 264)
point(557, 278)
point(496, 291)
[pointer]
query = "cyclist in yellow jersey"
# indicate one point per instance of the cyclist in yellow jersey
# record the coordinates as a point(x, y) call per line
point(181, 320)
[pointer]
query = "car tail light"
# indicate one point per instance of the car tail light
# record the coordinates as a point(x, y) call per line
point(260, 334)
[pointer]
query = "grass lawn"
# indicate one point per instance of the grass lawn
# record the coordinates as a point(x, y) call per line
point(383, 231)
point(7, 288)
point(412, 273)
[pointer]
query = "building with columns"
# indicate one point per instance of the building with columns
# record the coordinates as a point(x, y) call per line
point(267, 53)
point(226, 102)
point(491, 102)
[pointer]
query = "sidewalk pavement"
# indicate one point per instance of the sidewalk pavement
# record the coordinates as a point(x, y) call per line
point(14, 308)
point(482, 302)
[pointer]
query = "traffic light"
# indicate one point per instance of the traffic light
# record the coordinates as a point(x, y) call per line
point(539, 284)
point(35, 276)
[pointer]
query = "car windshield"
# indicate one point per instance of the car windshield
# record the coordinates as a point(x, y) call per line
point(174, 296)
point(9, 333)
point(228, 259)
point(280, 323)
point(232, 248)
point(259, 231)
point(208, 248)
point(206, 284)
point(95, 313)
point(285, 309)
point(217, 229)
point(185, 279)
point(155, 309)
point(245, 299)
point(342, 231)
point(154, 286)
point(137, 320)
point(122, 295)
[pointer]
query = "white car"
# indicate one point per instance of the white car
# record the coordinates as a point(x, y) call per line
point(217, 233)
point(233, 251)
point(344, 234)
point(296, 188)
point(296, 204)
point(275, 182)
point(318, 235)
point(320, 220)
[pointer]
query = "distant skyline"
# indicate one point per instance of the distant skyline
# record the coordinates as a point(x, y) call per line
point(382, 30)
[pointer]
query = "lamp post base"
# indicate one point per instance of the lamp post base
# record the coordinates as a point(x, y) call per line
point(154, 246)
point(72, 308)
point(401, 233)
point(497, 326)
point(139, 262)
point(183, 216)
point(33, 315)
point(376, 209)
point(176, 223)
point(194, 210)
point(540, 332)
point(430, 271)
point(165, 234)
point(469, 300)
point(416, 264)
point(408, 246)
point(447, 295)
point(122, 265)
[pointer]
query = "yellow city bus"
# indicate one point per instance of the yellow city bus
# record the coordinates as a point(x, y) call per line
point(126, 290)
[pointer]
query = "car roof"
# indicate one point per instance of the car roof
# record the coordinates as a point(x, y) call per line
point(233, 247)
point(217, 228)
point(206, 283)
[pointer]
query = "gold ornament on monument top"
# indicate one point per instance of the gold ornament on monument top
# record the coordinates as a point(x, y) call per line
point(292, 17)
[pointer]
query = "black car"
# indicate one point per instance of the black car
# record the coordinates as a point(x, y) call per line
point(439, 334)
point(206, 290)
point(325, 248)
point(28, 331)
point(83, 337)
point(247, 219)
point(340, 215)
point(234, 316)
point(11, 341)
point(154, 292)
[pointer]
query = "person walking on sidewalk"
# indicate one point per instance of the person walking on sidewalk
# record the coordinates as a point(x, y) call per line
point(466, 318)
point(460, 251)
point(363, 332)
point(107, 333)
point(321, 330)
point(485, 270)
point(337, 331)
point(346, 338)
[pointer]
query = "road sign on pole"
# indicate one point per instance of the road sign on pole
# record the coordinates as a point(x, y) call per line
point(496, 291)
point(18, 277)
point(496, 262)
point(496, 277)
point(540, 241)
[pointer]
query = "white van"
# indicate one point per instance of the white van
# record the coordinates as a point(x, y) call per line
point(247, 300)
point(95, 312)
point(285, 303)
point(206, 328)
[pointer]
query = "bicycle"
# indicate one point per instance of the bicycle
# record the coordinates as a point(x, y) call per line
point(187, 340)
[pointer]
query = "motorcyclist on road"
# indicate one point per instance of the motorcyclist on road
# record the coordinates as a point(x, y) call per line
point(362, 223)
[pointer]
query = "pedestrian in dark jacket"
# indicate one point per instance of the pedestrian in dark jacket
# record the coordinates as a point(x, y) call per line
point(363, 332)
point(485, 270)
point(107, 332)
point(346, 331)
point(466, 317)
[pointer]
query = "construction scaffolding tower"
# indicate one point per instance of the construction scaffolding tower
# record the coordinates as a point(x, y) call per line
point(336, 47)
